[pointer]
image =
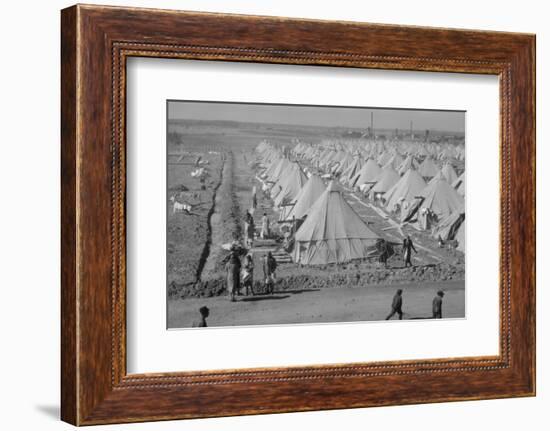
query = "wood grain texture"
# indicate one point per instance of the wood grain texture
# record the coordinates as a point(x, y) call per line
point(68, 218)
point(96, 41)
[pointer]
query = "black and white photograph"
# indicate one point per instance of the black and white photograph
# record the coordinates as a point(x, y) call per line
point(299, 214)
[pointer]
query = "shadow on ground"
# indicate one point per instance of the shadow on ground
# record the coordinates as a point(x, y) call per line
point(261, 298)
point(297, 291)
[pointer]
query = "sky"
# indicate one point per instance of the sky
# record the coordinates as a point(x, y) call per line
point(451, 121)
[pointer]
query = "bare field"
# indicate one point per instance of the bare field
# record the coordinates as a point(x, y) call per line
point(187, 234)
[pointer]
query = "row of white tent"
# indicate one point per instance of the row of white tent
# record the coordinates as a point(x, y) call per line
point(333, 231)
point(443, 193)
point(365, 148)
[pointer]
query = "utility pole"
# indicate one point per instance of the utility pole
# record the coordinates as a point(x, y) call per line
point(372, 123)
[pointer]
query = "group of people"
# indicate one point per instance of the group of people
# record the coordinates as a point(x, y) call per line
point(241, 275)
point(250, 228)
point(397, 305)
point(386, 251)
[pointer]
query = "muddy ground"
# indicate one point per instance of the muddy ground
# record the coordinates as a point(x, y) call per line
point(304, 305)
point(187, 233)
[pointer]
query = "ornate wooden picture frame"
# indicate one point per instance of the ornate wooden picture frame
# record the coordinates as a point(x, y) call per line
point(96, 41)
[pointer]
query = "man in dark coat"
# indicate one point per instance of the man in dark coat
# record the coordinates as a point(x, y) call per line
point(408, 246)
point(437, 305)
point(384, 252)
point(269, 267)
point(205, 312)
point(396, 305)
point(233, 268)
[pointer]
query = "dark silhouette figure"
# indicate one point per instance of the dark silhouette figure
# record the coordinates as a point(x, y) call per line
point(269, 267)
point(249, 229)
point(201, 323)
point(233, 269)
point(248, 274)
point(396, 305)
point(384, 252)
point(408, 246)
point(437, 305)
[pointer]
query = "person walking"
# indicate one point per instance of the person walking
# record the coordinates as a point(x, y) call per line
point(269, 267)
point(396, 305)
point(437, 305)
point(384, 252)
point(408, 247)
point(201, 323)
point(249, 229)
point(254, 198)
point(233, 268)
point(265, 227)
point(248, 274)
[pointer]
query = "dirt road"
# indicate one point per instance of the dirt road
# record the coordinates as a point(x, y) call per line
point(325, 305)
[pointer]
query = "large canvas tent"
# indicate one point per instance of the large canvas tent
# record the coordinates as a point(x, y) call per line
point(449, 173)
point(292, 180)
point(333, 232)
point(405, 190)
point(448, 227)
point(386, 180)
point(274, 171)
point(460, 184)
point(441, 199)
point(367, 173)
point(308, 195)
point(384, 158)
point(407, 164)
point(428, 168)
point(437, 177)
point(394, 162)
point(352, 170)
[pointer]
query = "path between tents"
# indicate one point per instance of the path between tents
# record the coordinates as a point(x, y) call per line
point(379, 212)
point(395, 225)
